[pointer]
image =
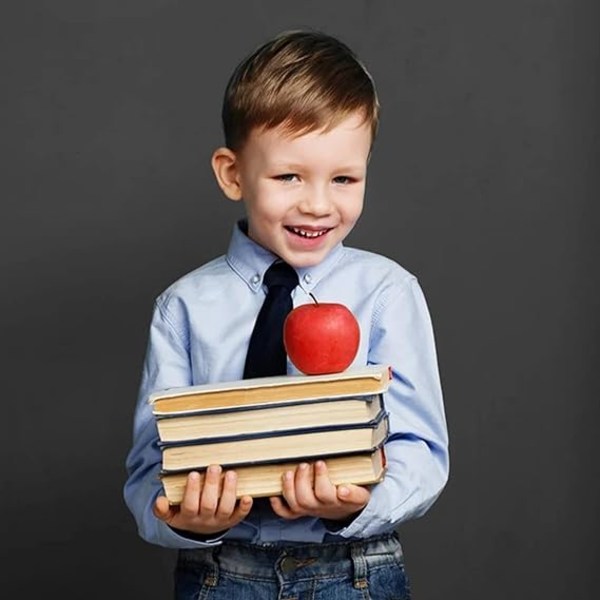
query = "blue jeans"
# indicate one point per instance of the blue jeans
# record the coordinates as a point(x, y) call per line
point(370, 569)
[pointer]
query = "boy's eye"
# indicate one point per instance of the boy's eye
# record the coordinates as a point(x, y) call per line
point(343, 179)
point(286, 177)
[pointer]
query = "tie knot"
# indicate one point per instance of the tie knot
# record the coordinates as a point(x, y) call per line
point(280, 274)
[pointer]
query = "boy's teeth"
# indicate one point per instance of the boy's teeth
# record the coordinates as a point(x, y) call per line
point(308, 234)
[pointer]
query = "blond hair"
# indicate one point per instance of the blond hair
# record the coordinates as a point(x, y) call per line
point(301, 80)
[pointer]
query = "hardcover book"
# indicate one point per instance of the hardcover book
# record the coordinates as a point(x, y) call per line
point(238, 420)
point(266, 480)
point(304, 444)
point(280, 389)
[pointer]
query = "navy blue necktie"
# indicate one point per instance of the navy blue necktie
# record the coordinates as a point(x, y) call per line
point(266, 352)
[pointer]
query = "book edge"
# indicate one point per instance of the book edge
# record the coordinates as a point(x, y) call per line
point(378, 372)
point(379, 427)
point(274, 461)
point(377, 477)
point(251, 407)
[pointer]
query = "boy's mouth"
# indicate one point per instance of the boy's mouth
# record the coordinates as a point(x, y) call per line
point(307, 233)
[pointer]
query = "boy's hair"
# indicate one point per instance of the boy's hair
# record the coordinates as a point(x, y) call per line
point(302, 80)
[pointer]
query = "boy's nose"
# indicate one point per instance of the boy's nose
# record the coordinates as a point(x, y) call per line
point(316, 202)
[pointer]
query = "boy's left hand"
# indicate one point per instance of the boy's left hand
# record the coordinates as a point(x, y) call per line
point(309, 492)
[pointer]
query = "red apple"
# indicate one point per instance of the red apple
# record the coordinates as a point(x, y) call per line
point(321, 337)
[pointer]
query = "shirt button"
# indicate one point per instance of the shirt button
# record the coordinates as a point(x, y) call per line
point(307, 278)
point(255, 279)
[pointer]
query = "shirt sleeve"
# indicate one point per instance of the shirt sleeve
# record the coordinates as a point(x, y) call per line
point(167, 364)
point(417, 447)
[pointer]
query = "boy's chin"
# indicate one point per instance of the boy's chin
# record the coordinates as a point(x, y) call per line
point(303, 262)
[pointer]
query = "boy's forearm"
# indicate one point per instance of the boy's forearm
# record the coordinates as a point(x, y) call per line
point(143, 487)
point(416, 476)
point(417, 448)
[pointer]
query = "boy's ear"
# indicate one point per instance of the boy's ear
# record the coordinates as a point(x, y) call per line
point(225, 166)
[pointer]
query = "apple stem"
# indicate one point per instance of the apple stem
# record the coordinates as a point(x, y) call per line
point(312, 296)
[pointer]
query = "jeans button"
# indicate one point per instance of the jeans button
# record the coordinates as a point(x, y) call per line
point(288, 564)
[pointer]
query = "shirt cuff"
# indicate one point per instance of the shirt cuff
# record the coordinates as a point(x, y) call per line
point(367, 523)
point(335, 526)
point(213, 539)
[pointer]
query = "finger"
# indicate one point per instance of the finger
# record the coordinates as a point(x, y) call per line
point(191, 495)
point(228, 495)
point(289, 490)
point(280, 509)
point(325, 491)
point(242, 510)
point(209, 500)
point(304, 487)
point(354, 494)
point(163, 510)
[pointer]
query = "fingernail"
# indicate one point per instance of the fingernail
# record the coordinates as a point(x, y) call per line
point(344, 491)
point(193, 476)
point(303, 466)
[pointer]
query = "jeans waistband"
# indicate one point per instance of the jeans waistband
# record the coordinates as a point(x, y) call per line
point(299, 560)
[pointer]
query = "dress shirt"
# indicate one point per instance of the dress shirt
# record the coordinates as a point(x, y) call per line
point(199, 334)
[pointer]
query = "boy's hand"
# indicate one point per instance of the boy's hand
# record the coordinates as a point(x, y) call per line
point(208, 510)
point(309, 492)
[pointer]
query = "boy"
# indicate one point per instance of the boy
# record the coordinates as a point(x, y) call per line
point(300, 115)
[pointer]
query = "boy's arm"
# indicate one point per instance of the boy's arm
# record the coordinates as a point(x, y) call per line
point(417, 449)
point(167, 364)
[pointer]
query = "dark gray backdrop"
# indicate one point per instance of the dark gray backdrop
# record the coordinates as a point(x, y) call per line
point(484, 182)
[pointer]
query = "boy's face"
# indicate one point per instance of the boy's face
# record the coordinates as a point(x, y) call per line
point(304, 193)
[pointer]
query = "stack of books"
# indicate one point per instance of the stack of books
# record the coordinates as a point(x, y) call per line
point(266, 426)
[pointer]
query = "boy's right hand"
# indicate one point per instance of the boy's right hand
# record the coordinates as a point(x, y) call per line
point(208, 509)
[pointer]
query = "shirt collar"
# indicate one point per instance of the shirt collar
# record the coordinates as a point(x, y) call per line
point(250, 261)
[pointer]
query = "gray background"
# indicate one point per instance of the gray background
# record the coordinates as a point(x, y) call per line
point(484, 183)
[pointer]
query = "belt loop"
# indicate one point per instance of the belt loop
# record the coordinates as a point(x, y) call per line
point(359, 565)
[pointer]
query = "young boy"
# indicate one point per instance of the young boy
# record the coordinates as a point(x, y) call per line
point(300, 116)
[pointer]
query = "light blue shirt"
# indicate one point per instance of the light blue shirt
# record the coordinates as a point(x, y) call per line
point(199, 334)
